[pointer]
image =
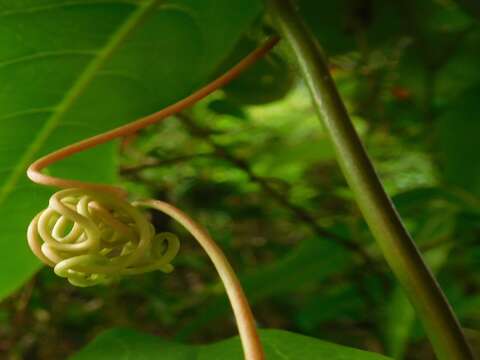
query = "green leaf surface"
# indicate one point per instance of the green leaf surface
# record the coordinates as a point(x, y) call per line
point(72, 69)
point(123, 344)
point(270, 79)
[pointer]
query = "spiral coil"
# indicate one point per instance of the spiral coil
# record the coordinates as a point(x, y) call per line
point(90, 238)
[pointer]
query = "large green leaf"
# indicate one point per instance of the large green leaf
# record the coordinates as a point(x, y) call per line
point(69, 70)
point(282, 345)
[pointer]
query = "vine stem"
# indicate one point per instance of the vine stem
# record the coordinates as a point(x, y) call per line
point(252, 347)
point(241, 308)
point(400, 251)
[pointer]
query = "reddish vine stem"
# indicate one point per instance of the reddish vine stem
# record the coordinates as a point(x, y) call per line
point(246, 327)
point(34, 170)
point(245, 320)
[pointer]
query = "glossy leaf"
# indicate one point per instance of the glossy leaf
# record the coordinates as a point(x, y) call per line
point(69, 70)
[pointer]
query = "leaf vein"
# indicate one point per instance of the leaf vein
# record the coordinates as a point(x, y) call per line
point(45, 55)
point(27, 112)
point(83, 80)
point(36, 9)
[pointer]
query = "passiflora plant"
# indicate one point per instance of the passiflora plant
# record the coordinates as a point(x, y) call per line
point(93, 233)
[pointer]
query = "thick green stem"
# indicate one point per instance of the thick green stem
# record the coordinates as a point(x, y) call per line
point(398, 247)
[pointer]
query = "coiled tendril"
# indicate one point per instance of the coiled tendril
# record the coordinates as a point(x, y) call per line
point(91, 237)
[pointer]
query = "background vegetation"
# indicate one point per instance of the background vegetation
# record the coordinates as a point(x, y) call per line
point(251, 163)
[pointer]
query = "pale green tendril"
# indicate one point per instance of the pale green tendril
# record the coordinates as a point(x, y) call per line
point(91, 238)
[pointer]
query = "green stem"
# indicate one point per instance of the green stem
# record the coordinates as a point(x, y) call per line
point(398, 247)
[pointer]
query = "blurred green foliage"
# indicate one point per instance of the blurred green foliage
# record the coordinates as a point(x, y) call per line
point(253, 164)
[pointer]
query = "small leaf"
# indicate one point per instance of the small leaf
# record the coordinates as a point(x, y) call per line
point(226, 107)
point(282, 345)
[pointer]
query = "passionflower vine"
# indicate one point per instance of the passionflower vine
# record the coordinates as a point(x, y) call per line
point(90, 234)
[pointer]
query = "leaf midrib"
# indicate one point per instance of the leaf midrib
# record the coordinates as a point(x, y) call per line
point(84, 79)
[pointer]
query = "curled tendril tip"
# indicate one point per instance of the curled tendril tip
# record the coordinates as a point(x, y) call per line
point(91, 238)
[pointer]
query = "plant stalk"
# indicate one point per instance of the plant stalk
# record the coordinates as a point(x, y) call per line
point(252, 347)
point(401, 253)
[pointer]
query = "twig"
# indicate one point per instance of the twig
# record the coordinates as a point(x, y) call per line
point(400, 251)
